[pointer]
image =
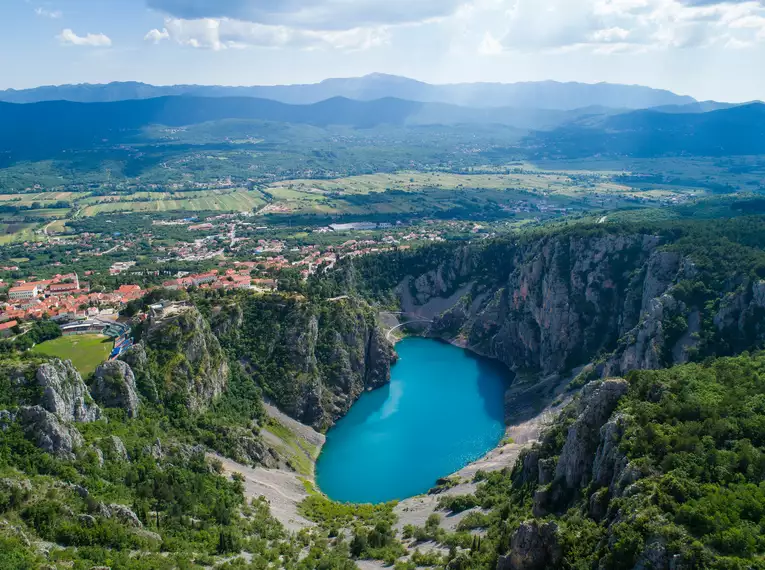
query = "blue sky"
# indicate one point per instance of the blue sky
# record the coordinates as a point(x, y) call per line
point(705, 48)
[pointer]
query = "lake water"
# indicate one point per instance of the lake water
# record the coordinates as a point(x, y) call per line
point(442, 410)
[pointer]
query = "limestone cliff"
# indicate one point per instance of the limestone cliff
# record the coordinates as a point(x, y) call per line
point(187, 364)
point(114, 387)
point(64, 392)
point(624, 300)
point(312, 358)
point(50, 398)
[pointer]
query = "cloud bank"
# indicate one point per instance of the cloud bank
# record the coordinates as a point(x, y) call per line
point(68, 37)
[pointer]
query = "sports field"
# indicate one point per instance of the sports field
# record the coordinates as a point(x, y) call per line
point(85, 351)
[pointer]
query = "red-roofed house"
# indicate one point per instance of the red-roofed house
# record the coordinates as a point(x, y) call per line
point(25, 292)
point(5, 328)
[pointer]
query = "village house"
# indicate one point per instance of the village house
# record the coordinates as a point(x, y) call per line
point(23, 292)
point(5, 328)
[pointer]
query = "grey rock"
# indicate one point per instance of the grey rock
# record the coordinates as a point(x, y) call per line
point(543, 496)
point(121, 513)
point(138, 360)
point(598, 401)
point(154, 450)
point(115, 448)
point(529, 470)
point(115, 387)
point(598, 505)
point(8, 529)
point(48, 432)
point(533, 547)
point(65, 394)
point(6, 419)
point(546, 470)
point(87, 520)
point(625, 479)
point(99, 456)
point(654, 556)
point(608, 458)
point(254, 451)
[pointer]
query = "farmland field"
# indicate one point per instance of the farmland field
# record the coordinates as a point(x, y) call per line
point(212, 200)
point(85, 351)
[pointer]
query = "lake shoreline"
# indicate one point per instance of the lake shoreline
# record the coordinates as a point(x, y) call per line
point(376, 440)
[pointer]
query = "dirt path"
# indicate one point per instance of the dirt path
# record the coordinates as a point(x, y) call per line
point(283, 490)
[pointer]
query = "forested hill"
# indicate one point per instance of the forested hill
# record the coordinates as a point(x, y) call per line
point(734, 131)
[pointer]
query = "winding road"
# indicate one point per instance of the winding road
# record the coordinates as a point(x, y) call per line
point(412, 319)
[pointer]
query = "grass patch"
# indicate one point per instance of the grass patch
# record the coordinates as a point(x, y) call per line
point(327, 513)
point(85, 351)
point(301, 453)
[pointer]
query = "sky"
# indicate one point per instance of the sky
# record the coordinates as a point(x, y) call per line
point(705, 48)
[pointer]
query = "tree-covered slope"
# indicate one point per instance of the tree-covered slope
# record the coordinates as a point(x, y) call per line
point(313, 358)
point(663, 470)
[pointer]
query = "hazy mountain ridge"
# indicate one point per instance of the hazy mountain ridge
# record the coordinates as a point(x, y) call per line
point(737, 130)
point(540, 95)
point(590, 131)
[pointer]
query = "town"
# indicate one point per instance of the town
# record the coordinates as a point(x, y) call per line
point(227, 250)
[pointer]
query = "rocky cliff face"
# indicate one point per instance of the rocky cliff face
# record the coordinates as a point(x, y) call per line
point(191, 367)
point(114, 387)
point(64, 392)
point(564, 300)
point(138, 360)
point(50, 397)
point(533, 546)
point(312, 358)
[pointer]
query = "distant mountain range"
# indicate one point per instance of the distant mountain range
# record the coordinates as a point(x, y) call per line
point(35, 130)
point(548, 95)
point(738, 130)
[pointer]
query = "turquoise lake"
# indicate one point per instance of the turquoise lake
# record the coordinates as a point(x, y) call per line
point(443, 409)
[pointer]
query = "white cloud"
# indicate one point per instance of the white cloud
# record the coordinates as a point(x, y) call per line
point(609, 26)
point(224, 33)
point(52, 14)
point(311, 14)
point(157, 36)
point(68, 37)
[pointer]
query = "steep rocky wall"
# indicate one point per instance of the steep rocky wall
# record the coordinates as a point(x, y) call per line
point(312, 358)
point(188, 365)
point(562, 301)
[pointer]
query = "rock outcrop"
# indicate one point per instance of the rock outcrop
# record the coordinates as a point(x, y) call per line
point(597, 403)
point(534, 546)
point(193, 368)
point(64, 392)
point(114, 448)
point(138, 360)
point(115, 387)
point(121, 513)
point(48, 432)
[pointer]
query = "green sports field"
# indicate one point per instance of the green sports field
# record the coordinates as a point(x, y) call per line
point(85, 351)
